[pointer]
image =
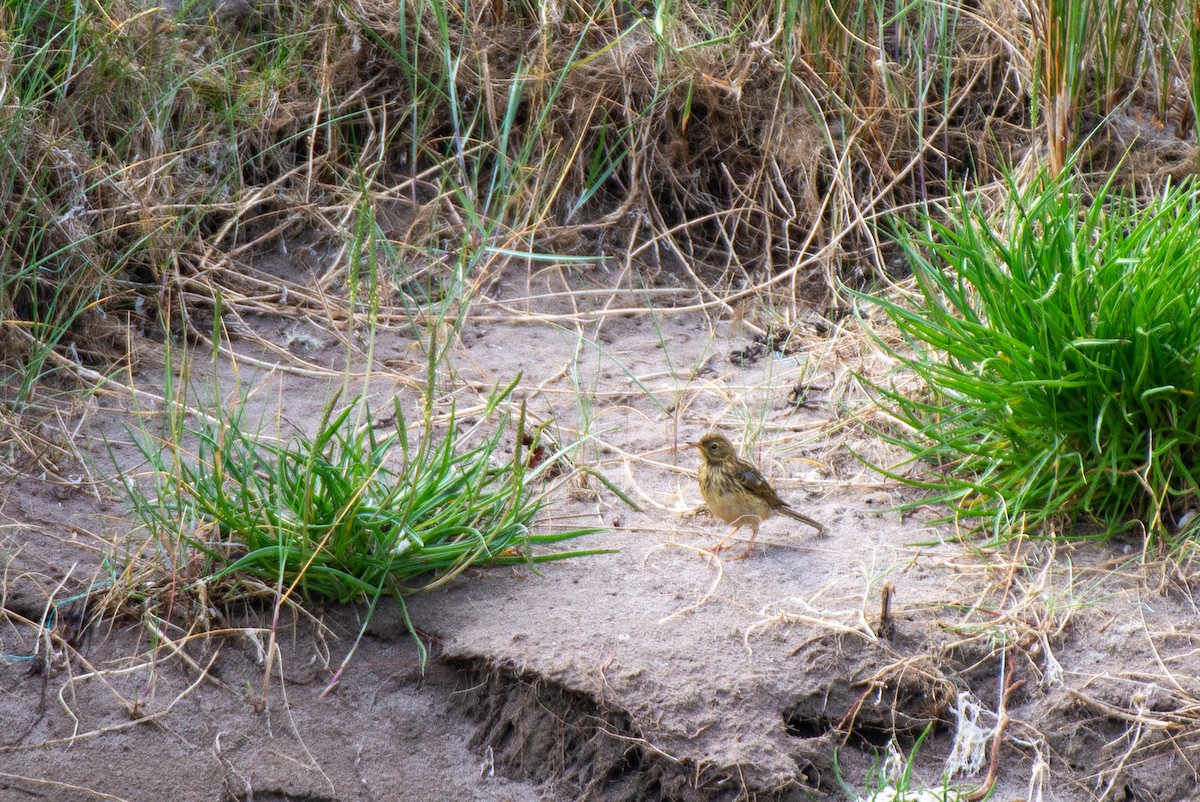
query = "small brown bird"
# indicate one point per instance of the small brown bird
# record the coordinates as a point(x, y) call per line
point(736, 492)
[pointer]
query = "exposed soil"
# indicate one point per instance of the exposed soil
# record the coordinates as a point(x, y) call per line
point(658, 672)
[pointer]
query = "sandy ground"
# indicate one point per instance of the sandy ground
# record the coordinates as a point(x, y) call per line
point(657, 672)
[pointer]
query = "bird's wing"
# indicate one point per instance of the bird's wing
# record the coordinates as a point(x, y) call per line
point(756, 484)
point(751, 478)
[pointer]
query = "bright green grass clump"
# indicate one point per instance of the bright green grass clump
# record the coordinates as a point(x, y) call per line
point(1060, 350)
point(345, 515)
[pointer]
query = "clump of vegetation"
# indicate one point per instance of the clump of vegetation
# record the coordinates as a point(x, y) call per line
point(344, 515)
point(891, 778)
point(1059, 347)
point(147, 152)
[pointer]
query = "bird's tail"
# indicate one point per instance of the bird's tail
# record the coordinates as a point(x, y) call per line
point(799, 516)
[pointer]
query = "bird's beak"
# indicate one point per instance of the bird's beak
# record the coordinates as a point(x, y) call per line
point(693, 445)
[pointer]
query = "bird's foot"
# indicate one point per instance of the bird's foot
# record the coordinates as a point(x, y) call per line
point(745, 552)
point(720, 547)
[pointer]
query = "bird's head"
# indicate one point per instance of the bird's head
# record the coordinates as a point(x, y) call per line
point(715, 448)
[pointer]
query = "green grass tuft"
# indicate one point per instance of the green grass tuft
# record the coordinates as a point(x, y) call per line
point(345, 515)
point(1060, 353)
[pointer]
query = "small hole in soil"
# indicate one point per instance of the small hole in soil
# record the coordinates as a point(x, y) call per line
point(806, 727)
point(504, 737)
point(871, 736)
point(861, 737)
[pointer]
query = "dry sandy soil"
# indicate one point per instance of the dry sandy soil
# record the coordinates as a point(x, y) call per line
point(658, 672)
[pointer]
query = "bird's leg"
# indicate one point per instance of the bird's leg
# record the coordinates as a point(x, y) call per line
point(720, 546)
point(750, 545)
point(753, 520)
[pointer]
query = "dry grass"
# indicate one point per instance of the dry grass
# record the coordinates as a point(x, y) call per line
point(749, 154)
point(733, 164)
